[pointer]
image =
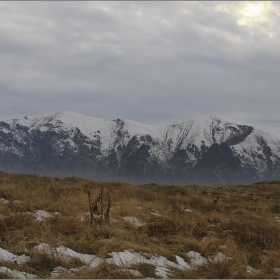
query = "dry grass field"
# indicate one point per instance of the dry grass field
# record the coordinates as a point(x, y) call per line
point(156, 231)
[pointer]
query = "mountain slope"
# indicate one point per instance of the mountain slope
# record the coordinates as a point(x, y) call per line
point(207, 149)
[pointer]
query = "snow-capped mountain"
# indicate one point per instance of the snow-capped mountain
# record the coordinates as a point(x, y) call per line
point(207, 149)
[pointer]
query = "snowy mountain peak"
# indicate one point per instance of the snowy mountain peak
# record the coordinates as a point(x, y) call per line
point(204, 148)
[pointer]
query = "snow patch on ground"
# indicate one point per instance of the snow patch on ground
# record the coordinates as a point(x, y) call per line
point(131, 271)
point(162, 264)
point(222, 247)
point(7, 256)
point(155, 213)
point(4, 201)
point(220, 257)
point(182, 262)
point(251, 270)
point(15, 274)
point(59, 271)
point(134, 221)
point(125, 258)
point(196, 259)
point(162, 272)
point(68, 254)
point(42, 215)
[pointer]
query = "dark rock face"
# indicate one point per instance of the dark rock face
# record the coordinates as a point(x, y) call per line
point(236, 139)
point(219, 165)
point(49, 146)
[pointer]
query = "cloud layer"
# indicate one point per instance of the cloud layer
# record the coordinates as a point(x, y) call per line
point(152, 62)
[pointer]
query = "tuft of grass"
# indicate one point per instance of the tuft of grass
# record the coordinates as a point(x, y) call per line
point(43, 263)
point(147, 270)
point(275, 208)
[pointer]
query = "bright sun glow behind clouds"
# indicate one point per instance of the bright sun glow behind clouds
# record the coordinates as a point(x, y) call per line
point(253, 10)
point(254, 14)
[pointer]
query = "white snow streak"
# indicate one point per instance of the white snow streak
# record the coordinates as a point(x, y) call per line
point(7, 256)
point(15, 274)
point(134, 221)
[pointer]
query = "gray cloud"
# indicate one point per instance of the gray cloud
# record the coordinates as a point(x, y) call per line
point(152, 62)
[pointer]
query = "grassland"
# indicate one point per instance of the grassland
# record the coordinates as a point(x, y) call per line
point(240, 223)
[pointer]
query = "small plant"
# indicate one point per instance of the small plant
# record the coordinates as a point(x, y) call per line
point(96, 209)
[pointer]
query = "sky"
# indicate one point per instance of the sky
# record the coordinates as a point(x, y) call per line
point(154, 62)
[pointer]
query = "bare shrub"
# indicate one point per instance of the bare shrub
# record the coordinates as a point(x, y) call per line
point(96, 209)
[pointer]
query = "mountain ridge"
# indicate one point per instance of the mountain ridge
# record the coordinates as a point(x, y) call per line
point(76, 144)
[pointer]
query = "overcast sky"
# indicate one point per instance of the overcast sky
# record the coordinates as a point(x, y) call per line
point(151, 62)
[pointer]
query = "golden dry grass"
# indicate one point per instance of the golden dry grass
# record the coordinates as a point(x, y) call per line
point(239, 221)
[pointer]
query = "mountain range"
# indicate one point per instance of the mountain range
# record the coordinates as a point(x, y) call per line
point(206, 149)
